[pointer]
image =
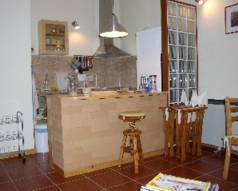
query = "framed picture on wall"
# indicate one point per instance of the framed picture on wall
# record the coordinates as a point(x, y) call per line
point(231, 18)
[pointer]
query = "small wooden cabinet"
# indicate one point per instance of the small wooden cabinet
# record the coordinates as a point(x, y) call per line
point(53, 37)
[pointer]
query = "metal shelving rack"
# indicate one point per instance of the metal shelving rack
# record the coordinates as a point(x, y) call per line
point(182, 48)
point(11, 135)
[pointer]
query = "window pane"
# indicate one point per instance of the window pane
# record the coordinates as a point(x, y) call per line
point(191, 54)
point(172, 37)
point(182, 67)
point(191, 13)
point(173, 80)
point(173, 96)
point(180, 93)
point(192, 81)
point(172, 8)
point(191, 27)
point(183, 38)
point(173, 66)
point(191, 40)
point(182, 53)
point(191, 67)
point(182, 11)
point(172, 52)
point(172, 23)
point(182, 25)
point(190, 92)
point(183, 80)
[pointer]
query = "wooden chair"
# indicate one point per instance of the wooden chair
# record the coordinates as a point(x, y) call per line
point(231, 107)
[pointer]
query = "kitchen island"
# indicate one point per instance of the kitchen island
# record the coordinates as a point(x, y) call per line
point(85, 133)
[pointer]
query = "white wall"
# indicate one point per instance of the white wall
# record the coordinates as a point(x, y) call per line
point(83, 41)
point(15, 73)
point(218, 65)
point(218, 52)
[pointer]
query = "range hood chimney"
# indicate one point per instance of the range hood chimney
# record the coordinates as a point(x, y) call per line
point(107, 48)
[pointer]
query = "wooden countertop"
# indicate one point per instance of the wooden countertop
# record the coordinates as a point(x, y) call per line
point(106, 95)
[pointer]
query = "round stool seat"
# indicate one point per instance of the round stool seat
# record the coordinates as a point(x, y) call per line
point(131, 116)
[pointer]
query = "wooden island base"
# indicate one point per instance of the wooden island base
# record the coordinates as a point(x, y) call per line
point(85, 133)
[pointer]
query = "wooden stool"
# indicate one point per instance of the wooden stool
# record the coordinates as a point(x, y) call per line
point(134, 148)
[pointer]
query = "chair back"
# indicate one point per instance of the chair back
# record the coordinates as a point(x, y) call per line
point(231, 111)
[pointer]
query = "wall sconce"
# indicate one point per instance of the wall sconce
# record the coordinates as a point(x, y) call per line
point(200, 2)
point(75, 24)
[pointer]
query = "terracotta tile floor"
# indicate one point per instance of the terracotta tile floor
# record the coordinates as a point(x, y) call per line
point(37, 175)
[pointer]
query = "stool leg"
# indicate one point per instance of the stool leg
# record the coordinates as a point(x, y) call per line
point(199, 136)
point(183, 136)
point(136, 155)
point(166, 139)
point(194, 138)
point(188, 149)
point(140, 149)
point(178, 137)
point(171, 134)
point(123, 145)
point(227, 161)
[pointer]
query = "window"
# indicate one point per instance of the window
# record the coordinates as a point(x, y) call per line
point(181, 49)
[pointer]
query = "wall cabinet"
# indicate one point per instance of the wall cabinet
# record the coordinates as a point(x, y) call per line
point(53, 37)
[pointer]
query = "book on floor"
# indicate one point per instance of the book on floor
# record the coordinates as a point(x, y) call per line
point(164, 182)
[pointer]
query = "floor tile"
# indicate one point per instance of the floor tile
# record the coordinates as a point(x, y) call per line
point(98, 172)
point(223, 185)
point(177, 161)
point(33, 183)
point(58, 178)
point(159, 164)
point(46, 168)
point(129, 171)
point(232, 176)
point(109, 179)
point(24, 172)
point(3, 175)
point(126, 187)
point(80, 185)
point(146, 179)
point(8, 187)
point(203, 166)
point(17, 163)
point(184, 172)
point(218, 158)
point(235, 189)
point(50, 188)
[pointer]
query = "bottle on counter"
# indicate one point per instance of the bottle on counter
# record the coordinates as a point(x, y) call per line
point(153, 83)
point(72, 84)
point(46, 83)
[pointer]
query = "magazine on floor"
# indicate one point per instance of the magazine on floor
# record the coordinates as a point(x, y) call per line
point(164, 182)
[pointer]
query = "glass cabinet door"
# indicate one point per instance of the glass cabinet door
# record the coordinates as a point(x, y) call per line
point(53, 37)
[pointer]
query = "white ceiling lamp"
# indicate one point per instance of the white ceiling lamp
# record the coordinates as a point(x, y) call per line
point(200, 2)
point(114, 29)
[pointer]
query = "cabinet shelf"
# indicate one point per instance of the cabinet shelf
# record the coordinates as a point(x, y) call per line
point(53, 37)
point(54, 34)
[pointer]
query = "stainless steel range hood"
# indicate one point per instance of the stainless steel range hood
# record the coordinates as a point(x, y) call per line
point(107, 47)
